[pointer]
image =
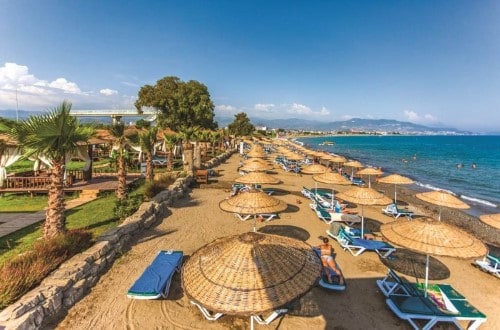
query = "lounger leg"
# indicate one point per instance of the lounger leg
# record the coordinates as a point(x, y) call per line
point(388, 253)
point(209, 316)
point(270, 318)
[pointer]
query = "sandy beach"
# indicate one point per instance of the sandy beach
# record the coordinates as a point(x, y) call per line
point(197, 220)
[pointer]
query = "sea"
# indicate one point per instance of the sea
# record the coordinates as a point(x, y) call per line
point(468, 166)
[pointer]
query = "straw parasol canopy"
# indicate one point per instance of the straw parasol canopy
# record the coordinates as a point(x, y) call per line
point(369, 171)
point(364, 196)
point(335, 159)
point(331, 178)
point(255, 167)
point(353, 163)
point(442, 198)
point(395, 179)
point(257, 178)
point(491, 219)
point(250, 274)
point(433, 238)
point(314, 169)
point(253, 202)
point(256, 154)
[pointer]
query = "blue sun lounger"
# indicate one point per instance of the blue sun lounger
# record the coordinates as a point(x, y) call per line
point(155, 280)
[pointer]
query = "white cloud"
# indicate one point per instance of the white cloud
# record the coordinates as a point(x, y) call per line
point(108, 92)
point(303, 110)
point(19, 86)
point(264, 107)
point(224, 108)
point(324, 111)
point(414, 117)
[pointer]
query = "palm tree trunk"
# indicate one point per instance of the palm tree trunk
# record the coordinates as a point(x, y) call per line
point(55, 220)
point(121, 191)
point(149, 166)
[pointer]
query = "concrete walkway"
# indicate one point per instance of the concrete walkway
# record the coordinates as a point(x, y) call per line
point(11, 222)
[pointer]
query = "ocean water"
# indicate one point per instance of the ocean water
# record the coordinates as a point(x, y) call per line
point(468, 166)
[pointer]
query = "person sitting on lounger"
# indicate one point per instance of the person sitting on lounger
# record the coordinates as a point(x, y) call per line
point(329, 262)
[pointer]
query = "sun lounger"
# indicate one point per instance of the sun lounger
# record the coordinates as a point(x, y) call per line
point(259, 319)
point(206, 313)
point(155, 280)
point(415, 308)
point(490, 264)
point(264, 216)
point(393, 284)
point(358, 245)
point(323, 281)
point(394, 211)
point(329, 217)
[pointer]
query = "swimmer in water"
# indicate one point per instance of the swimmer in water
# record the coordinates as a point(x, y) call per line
point(460, 165)
point(473, 165)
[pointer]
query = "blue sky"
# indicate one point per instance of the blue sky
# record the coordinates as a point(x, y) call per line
point(427, 62)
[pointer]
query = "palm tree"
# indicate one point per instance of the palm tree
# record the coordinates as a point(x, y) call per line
point(147, 140)
point(215, 138)
point(187, 134)
point(170, 142)
point(54, 135)
point(120, 143)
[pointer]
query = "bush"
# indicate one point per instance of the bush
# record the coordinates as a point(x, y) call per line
point(155, 187)
point(127, 207)
point(27, 270)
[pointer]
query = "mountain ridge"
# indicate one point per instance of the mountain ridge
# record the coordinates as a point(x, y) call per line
point(354, 124)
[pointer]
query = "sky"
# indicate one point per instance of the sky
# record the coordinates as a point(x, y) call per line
point(431, 62)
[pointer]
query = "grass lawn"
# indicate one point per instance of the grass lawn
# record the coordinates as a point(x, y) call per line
point(96, 216)
point(24, 203)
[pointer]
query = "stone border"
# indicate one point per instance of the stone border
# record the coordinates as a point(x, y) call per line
point(71, 281)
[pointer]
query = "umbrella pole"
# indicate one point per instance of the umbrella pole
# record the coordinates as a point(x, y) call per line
point(426, 274)
point(395, 195)
point(369, 181)
point(362, 221)
point(254, 223)
point(251, 323)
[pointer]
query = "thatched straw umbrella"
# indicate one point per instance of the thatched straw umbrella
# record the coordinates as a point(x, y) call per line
point(257, 178)
point(364, 196)
point(395, 179)
point(253, 202)
point(250, 274)
point(433, 238)
point(442, 198)
point(369, 171)
point(491, 219)
point(332, 178)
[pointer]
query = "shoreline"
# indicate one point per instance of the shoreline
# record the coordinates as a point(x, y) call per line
point(478, 205)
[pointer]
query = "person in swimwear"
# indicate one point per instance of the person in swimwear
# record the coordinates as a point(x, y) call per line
point(328, 261)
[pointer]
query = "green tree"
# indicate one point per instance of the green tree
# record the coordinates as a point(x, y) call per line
point(179, 103)
point(241, 125)
point(54, 135)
